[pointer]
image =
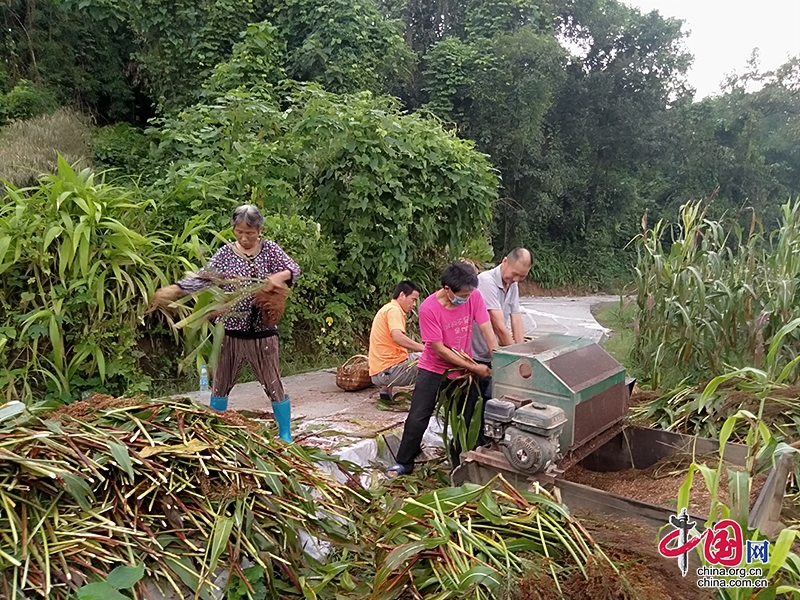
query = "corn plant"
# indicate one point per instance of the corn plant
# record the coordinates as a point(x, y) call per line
point(79, 260)
point(189, 493)
point(703, 409)
point(714, 295)
point(204, 338)
point(783, 568)
point(458, 434)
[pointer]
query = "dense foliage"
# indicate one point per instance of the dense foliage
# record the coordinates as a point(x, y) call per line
point(388, 189)
point(357, 192)
point(198, 492)
point(79, 260)
point(355, 125)
point(583, 107)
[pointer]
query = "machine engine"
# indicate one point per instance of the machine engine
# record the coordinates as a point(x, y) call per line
point(527, 432)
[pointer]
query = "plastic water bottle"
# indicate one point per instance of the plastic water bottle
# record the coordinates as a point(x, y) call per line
point(203, 379)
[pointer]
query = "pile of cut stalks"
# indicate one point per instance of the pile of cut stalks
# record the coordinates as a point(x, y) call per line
point(194, 495)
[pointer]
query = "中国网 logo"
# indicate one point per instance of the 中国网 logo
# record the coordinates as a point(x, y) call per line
point(724, 550)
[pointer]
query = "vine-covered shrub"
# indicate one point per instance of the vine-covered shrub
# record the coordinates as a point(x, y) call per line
point(387, 189)
point(344, 45)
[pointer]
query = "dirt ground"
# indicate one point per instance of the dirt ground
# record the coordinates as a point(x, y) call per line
point(659, 484)
point(643, 573)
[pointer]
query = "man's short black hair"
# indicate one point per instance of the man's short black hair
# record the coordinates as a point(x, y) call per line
point(405, 287)
point(459, 276)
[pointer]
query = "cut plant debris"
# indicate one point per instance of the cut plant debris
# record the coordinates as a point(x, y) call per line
point(191, 494)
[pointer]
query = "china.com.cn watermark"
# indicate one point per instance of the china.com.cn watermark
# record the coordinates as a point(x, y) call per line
point(731, 577)
point(724, 549)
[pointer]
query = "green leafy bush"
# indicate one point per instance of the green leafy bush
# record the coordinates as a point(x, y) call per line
point(319, 317)
point(120, 147)
point(79, 260)
point(179, 45)
point(26, 100)
point(389, 190)
point(256, 60)
point(345, 45)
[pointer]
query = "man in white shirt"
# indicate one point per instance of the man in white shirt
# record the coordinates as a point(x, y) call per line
point(500, 290)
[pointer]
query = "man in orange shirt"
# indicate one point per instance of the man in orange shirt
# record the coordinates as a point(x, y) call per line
point(390, 363)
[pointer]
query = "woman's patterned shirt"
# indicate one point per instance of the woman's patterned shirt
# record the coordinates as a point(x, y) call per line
point(228, 264)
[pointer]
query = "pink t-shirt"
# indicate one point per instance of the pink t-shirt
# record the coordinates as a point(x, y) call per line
point(453, 327)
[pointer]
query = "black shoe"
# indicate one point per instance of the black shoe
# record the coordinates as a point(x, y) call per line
point(385, 397)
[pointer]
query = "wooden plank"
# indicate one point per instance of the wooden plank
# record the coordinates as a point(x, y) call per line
point(766, 513)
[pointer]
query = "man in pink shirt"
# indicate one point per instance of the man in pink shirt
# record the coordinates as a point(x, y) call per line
point(445, 324)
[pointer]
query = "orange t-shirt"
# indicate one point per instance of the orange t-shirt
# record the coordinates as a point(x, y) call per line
point(384, 352)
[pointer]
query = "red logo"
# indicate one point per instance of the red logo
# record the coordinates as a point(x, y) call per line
point(723, 543)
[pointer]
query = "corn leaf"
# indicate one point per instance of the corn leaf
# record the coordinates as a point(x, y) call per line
point(780, 550)
point(480, 575)
point(99, 591)
point(124, 577)
point(122, 457)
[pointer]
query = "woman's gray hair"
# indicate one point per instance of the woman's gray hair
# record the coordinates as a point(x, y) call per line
point(249, 215)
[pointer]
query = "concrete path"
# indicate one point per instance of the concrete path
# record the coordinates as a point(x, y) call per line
point(327, 417)
point(322, 414)
point(564, 315)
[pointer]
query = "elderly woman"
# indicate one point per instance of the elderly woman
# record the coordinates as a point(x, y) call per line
point(247, 337)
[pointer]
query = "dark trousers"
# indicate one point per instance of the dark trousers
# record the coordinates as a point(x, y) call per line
point(485, 384)
point(423, 403)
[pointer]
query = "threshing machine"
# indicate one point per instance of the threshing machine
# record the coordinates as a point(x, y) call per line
point(560, 400)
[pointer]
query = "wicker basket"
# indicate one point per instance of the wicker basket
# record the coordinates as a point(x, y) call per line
point(353, 375)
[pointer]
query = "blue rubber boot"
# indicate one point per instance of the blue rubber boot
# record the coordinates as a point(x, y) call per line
point(218, 403)
point(283, 415)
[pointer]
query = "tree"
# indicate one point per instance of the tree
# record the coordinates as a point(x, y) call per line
point(631, 70)
point(740, 147)
point(345, 45)
point(80, 53)
point(181, 41)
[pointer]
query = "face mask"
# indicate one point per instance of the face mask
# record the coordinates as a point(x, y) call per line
point(459, 301)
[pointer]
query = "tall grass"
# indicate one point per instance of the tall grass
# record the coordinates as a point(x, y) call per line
point(711, 294)
point(30, 148)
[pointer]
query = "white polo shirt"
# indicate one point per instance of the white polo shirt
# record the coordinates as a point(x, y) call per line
point(490, 285)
